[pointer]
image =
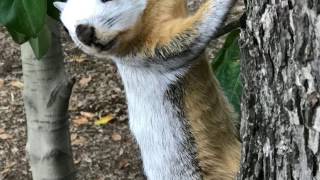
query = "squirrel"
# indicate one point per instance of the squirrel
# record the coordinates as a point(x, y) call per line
point(178, 114)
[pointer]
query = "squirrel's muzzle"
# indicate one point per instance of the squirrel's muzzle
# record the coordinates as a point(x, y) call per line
point(86, 34)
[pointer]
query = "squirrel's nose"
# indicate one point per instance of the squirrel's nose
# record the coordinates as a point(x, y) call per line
point(85, 34)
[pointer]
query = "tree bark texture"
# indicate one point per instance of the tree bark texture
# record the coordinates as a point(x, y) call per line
point(46, 97)
point(280, 126)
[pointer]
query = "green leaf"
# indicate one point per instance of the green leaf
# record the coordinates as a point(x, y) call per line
point(17, 37)
point(42, 43)
point(25, 17)
point(226, 66)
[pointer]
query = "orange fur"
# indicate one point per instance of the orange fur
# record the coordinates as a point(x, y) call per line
point(207, 110)
point(211, 119)
point(161, 22)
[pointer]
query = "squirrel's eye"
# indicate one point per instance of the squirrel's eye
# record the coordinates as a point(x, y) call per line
point(105, 1)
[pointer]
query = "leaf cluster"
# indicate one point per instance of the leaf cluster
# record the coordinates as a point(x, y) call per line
point(25, 20)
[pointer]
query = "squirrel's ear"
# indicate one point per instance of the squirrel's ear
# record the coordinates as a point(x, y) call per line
point(59, 5)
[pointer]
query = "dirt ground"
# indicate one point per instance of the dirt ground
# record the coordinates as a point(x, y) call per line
point(100, 152)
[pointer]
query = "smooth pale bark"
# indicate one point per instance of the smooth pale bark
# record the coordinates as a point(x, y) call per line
point(281, 101)
point(46, 97)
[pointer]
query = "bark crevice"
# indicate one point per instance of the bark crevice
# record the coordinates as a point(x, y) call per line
point(280, 49)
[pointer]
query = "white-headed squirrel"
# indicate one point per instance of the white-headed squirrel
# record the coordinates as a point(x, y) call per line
point(178, 113)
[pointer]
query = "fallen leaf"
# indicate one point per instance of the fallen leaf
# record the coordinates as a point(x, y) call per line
point(79, 141)
point(10, 165)
point(17, 84)
point(5, 136)
point(116, 137)
point(86, 158)
point(1, 130)
point(104, 120)
point(1, 83)
point(7, 169)
point(73, 107)
point(5, 172)
point(78, 59)
point(77, 161)
point(73, 136)
point(88, 115)
point(14, 150)
point(121, 152)
point(84, 82)
point(123, 164)
point(80, 120)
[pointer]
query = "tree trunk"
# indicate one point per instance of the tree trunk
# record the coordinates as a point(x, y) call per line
point(46, 97)
point(281, 102)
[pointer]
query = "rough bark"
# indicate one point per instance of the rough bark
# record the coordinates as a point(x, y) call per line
point(281, 101)
point(46, 97)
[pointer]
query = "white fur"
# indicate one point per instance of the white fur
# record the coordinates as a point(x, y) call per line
point(96, 13)
point(158, 131)
point(153, 120)
point(215, 17)
point(59, 5)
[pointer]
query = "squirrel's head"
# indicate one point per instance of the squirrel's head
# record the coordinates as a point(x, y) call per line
point(94, 25)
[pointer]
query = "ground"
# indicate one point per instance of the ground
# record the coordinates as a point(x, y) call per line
point(100, 152)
